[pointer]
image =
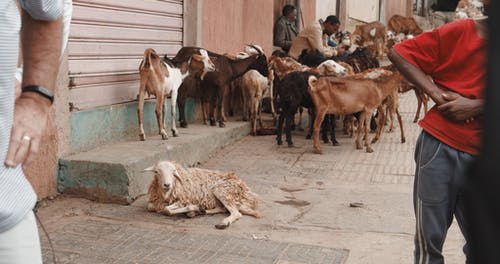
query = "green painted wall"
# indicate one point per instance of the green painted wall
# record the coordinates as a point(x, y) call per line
point(95, 127)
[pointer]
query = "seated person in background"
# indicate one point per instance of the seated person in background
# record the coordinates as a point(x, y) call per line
point(311, 38)
point(284, 29)
point(442, 12)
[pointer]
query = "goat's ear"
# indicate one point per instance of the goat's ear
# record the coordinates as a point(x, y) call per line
point(197, 57)
point(152, 168)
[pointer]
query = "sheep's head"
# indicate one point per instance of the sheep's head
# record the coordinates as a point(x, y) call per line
point(165, 174)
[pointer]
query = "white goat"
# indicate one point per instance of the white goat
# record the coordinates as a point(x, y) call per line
point(254, 88)
point(175, 190)
point(160, 79)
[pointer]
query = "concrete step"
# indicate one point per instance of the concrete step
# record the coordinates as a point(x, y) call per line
point(113, 173)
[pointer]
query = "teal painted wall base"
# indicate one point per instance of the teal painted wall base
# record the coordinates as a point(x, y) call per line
point(104, 125)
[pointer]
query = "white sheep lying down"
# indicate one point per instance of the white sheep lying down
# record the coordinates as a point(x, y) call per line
point(175, 190)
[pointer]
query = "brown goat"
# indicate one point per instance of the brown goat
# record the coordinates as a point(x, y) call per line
point(350, 95)
point(371, 35)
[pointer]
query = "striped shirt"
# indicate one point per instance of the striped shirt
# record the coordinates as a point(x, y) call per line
point(17, 197)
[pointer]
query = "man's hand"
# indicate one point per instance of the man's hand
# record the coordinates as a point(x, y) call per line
point(30, 122)
point(460, 108)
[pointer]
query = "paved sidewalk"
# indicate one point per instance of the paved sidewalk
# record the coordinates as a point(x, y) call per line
point(305, 201)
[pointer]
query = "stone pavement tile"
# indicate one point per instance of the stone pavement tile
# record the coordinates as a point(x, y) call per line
point(146, 245)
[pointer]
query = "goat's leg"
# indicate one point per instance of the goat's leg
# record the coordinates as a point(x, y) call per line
point(220, 102)
point(159, 115)
point(174, 110)
point(140, 110)
point(361, 127)
point(325, 129)
point(211, 109)
point(181, 102)
point(311, 113)
point(253, 115)
point(259, 113)
point(332, 130)
point(273, 111)
point(367, 131)
point(320, 115)
point(380, 120)
point(279, 128)
point(288, 128)
point(299, 127)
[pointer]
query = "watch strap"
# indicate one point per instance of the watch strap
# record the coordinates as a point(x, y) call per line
point(39, 90)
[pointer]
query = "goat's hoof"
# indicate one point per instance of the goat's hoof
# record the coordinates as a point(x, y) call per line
point(164, 136)
point(245, 118)
point(142, 137)
point(183, 124)
point(335, 143)
point(279, 142)
point(290, 144)
point(358, 146)
point(175, 133)
point(415, 120)
point(369, 150)
point(326, 140)
point(317, 150)
point(374, 140)
point(212, 123)
point(221, 124)
point(403, 140)
point(222, 226)
point(308, 136)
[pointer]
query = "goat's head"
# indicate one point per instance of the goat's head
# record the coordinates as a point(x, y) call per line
point(165, 175)
point(201, 63)
point(330, 67)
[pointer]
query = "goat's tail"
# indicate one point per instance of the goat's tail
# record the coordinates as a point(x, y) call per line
point(146, 62)
point(312, 82)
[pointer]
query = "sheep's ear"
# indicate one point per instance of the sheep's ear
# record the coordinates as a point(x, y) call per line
point(152, 168)
point(176, 175)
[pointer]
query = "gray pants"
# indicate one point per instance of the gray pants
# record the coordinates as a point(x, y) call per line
point(438, 196)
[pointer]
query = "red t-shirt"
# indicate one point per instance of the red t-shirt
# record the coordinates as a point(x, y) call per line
point(454, 56)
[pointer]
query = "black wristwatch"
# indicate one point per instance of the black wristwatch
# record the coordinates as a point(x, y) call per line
point(39, 90)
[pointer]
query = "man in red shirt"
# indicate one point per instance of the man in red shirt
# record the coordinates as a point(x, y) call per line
point(454, 57)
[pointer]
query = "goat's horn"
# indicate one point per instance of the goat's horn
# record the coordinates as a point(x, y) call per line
point(257, 49)
point(152, 168)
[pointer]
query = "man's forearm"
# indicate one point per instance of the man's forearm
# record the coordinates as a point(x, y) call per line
point(41, 48)
point(417, 77)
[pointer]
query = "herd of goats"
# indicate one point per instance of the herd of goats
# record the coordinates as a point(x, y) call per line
point(353, 86)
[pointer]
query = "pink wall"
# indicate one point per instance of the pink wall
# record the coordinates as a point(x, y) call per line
point(228, 25)
point(396, 7)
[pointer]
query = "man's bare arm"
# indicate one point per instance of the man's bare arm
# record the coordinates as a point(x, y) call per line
point(417, 77)
point(41, 47)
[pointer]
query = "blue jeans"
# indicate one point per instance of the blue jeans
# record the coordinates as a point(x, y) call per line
point(438, 196)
